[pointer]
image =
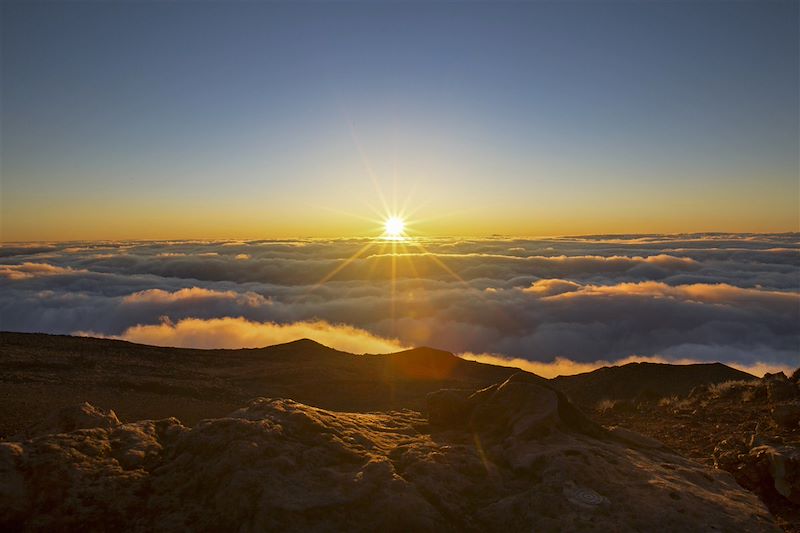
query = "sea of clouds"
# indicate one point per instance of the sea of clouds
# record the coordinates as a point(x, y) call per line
point(559, 305)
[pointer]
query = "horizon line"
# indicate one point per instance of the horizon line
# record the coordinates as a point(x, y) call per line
point(381, 237)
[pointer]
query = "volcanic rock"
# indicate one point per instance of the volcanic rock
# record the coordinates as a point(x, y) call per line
point(83, 416)
point(783, 466)
point(525, 459)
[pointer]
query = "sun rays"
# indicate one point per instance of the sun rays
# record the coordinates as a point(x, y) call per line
point(399, 256)
point(394, 250)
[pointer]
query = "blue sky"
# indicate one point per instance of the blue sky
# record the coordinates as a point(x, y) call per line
point(129, 119)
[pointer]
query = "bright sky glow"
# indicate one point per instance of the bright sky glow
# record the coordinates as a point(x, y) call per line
point(212, 120)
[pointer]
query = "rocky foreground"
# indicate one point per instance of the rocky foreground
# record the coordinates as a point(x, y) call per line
point(515, 456)
point(750, 428)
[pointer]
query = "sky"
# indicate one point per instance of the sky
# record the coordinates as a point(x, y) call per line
point(262, 120)
point(551, 306)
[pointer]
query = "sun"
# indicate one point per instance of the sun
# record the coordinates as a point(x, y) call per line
point(394, 227)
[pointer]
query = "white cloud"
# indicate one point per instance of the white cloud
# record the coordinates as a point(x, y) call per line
point(704, 297)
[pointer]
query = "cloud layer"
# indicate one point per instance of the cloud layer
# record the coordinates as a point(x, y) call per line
point(229, 332)
point(582, 300)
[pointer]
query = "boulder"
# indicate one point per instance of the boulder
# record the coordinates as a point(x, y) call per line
point(782, 464)
point(762, 469)
point(83, 416)
point(516, 408)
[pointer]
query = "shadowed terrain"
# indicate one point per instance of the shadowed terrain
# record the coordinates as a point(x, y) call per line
point(510, 457)
point(42, 373)
point(643, 381)
point(107, 434)
point(750, 427)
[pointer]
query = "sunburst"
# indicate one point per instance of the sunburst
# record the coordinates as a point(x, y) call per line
point(394, 228)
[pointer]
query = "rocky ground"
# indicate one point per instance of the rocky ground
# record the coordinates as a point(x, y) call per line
point(180, 451)
point(750, 428)
point(516, 456)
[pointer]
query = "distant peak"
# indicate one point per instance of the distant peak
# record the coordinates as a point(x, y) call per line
point(304, 343)
point(425, 351)
point(305, 340)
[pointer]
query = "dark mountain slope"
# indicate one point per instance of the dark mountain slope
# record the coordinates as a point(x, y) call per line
point(40, 373)
point(652, 380)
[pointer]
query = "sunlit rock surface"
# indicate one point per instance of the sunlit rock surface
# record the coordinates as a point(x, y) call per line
point(513, 457)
